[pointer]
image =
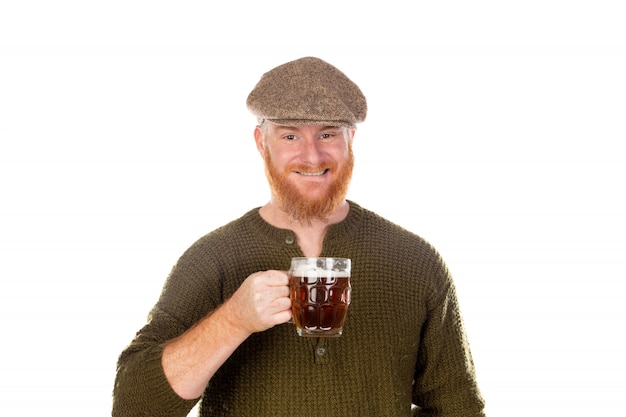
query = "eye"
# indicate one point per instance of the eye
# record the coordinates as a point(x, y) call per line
point(290, 137)
point(330, 134)
point(327, 136)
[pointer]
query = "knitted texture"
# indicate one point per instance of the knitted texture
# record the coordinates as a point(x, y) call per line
point(403, 341)
point(307, 91)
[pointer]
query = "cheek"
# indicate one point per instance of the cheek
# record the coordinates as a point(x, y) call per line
point(280, 157)
point(340, 150)
point(274, 160)
point(341, 155)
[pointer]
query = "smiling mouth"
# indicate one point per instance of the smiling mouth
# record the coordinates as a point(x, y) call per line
point(313, 174)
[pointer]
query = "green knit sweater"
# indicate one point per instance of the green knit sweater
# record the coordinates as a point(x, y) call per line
point(403, 341)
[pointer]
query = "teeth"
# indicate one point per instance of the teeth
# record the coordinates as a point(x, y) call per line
point(312, 173)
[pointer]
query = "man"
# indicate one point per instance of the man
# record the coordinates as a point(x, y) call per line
point(219, 333)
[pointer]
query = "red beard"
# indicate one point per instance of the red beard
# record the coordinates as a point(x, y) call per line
point(296, 201)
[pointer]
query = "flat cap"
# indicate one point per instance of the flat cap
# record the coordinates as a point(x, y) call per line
point(307, 91)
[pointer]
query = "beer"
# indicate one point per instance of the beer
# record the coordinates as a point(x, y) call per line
point(320, 297)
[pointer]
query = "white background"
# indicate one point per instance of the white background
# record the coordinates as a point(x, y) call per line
point(496, 130)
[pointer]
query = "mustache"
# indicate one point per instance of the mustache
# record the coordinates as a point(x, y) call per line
point(310, 168)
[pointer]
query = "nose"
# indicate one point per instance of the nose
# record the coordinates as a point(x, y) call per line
point(311, 151)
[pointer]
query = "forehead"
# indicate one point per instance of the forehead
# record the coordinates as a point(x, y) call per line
point(303, 128)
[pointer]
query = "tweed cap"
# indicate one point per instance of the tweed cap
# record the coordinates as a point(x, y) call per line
point(307, 91)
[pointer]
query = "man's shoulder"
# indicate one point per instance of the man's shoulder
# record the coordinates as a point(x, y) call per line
point(390, 233)
point(377, 220)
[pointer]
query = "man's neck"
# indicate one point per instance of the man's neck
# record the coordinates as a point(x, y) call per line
point(311, 235)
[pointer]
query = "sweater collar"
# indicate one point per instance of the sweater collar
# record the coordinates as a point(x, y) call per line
point(346, 227)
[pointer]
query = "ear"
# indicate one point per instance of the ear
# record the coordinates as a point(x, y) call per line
point(258, 138)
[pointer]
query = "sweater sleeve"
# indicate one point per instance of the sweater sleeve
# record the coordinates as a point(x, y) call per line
point(141, 388)
point(192, 290)
point(445, 380)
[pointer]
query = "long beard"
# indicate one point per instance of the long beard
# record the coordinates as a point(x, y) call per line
point(297, 202)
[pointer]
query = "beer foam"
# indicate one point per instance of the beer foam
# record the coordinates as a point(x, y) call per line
point(314, 272)
point(310, 271)
point(320, 267)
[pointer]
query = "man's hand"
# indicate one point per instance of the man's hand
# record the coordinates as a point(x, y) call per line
point(190, 360)
point(261, 302)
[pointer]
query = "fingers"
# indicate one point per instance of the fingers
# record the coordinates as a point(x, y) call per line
point(263, 300)
point(275, 278)
point(271, 290)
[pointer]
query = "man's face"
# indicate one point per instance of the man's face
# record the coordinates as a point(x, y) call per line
point(308, 167)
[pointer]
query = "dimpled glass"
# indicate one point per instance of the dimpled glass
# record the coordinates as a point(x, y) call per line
point(320, 295)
